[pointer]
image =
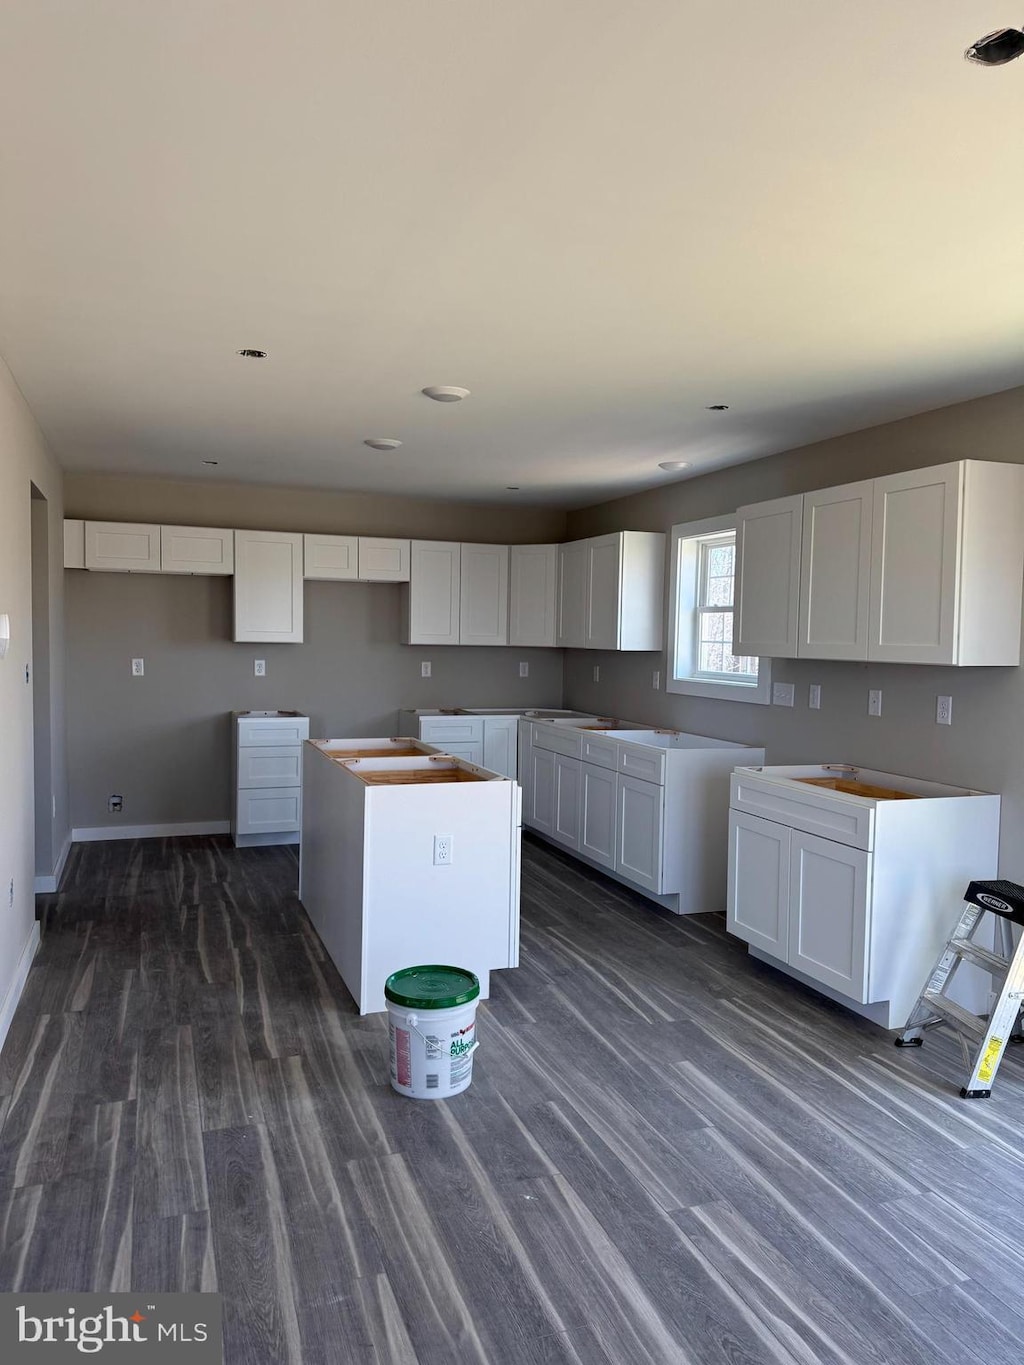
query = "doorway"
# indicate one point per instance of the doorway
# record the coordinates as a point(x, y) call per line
point(42, 741)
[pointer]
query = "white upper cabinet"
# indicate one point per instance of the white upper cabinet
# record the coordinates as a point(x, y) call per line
point(572, 594)
point(835, 572)
point(766, 619)
point(936, 554)
point(483, 595)
point(611, 591)
point(331, 557)
point(533, 594)
point(196, 550)
point(122, 546)
point(74, 544)
point(268, 586)
point(433, 594)
point(383, 560)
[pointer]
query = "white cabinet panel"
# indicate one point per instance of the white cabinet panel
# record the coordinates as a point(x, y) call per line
point(835, 572)
point(768, 538)
point(566, 827)
point(914, 566)
point(331, 557)
point(446, 730)
point(500, 744)
point(483, 595)
point(274, 729)
point(539, 796)
point(433, 594)
point(639, 831)
point(269, 766)
point(597, 818)
point(197, 550)
point(829, 885)
point(758, 905)
point(383, 560)
point(533, 595)
point(471, 750)
point(74, 544)
point(268, 587)
point(572, 594)
point(603, 588)
point(269, 810)
point(122, 546)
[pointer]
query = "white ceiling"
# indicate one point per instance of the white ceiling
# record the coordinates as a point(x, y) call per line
point(598, 216)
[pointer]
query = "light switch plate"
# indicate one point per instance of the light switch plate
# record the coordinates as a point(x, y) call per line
point(597, 672)
point(783, 694)
point(814, 696)
point(656, 680)
point(524, 670)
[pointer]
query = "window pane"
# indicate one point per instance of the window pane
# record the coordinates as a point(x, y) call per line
point(716, 625)
point(719, 592)
point(712, 658)
point(720, 561)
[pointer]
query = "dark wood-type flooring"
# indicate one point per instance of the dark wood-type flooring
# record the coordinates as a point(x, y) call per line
point(669, 1153)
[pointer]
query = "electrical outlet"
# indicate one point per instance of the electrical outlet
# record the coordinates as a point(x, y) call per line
point(442, 850)
point(259, 668)
point(597, 672)
point(138, 668)
point(524, 669)
point(943, 710)
point(115, 804)
point(53, 807)
point(425, 669)
point(875, 702)
point(814, 696)
point(10, 894)
point(783, 694)
point(656, 679)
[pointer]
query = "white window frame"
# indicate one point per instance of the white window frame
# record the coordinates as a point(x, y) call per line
point(681, 674)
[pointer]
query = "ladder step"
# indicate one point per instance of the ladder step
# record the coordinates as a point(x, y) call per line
point(962, 1019)
point(994, 963)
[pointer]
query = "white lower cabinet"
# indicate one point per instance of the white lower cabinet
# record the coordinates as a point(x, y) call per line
point(597, 814)
point(861, 915)
point(566, 821)
point(267, 776)
point(500, 745)
point(639, 831)
point(539, 792)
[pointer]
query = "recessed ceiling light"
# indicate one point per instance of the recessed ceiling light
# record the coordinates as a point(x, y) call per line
point(445, 393)
point(511, 488)
point(252, 355)
point(382, 443)
point(674, 464)
point(211, 462)
point(717, 407)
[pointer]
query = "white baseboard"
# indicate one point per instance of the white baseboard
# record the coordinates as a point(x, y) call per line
point(51, 883)
point(10, 1002)
point(104, 832)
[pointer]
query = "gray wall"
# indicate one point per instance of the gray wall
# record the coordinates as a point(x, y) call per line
point(983, 748)
point(163, 741)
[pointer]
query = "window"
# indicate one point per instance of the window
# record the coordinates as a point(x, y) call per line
point(701, 661)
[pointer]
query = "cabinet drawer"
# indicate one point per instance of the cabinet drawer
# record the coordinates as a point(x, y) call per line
point(444, 730)
point(639, 761)
point(558, 740)
point(266, 766)
point(270, 810)
point(603, 752)
point(277, 733)
point(815, 810)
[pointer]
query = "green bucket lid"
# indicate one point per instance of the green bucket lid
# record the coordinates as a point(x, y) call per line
point(431, 988)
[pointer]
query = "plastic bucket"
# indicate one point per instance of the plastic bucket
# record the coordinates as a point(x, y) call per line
point(432, 1025)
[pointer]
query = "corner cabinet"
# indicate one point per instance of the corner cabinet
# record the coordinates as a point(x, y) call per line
point(923, 567)
point(611, 592)
point(268, 587)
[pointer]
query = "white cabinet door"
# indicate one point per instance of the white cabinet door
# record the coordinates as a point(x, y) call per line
point(835, 572)
point(331, 557)
point(597, 814)
point(767, 613)
point(269, 810)
point(566, 827)
point(74, 544)
point(914, 563)
point(604, 564)
point(639, 831)
point(122, 546)
point(539, 793)
point(572, 594)
point(197, 550)
point(270, 766)
point(500, 744)
point(829, 888)
point(471, 750)
point(268, 587)
point(383, 560)
point(433, 593)
point(483, 595)
point(533, 595)
point(758, 896)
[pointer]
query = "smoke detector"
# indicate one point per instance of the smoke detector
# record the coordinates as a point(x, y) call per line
point(674, 464)
point(382, 442)
point(445, 393)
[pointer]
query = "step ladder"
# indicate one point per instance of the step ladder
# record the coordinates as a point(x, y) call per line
point(983, 1040)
